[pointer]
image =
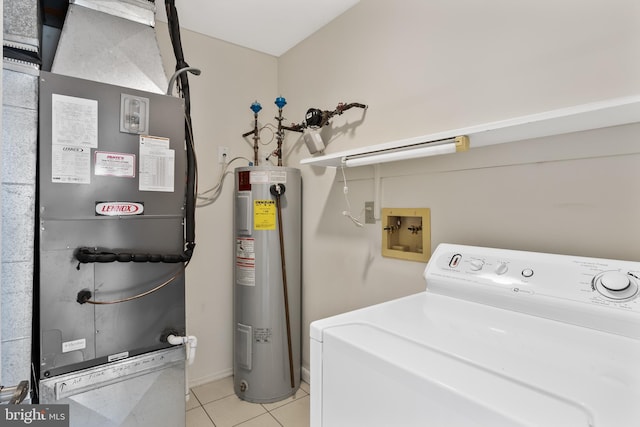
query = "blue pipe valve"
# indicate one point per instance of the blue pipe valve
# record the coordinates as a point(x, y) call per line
point(280, 102)
point(256, 107)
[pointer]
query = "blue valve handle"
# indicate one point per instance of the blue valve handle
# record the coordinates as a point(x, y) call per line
point(280, 102)
point(256, 107)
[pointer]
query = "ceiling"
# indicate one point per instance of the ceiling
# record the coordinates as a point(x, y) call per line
point(269, 26)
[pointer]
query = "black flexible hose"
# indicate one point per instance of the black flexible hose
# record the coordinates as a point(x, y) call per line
point(183, 83)
point(90, 255)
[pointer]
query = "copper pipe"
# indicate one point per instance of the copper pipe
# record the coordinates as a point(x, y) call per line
point(284, 282)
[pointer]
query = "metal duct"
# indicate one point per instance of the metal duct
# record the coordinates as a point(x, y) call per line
point(111, 42)
point(19, 142)
point(21, 50)
point(21, 24)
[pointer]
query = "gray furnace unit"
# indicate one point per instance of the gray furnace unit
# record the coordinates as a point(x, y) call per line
point(111, 198)
point(267, 288)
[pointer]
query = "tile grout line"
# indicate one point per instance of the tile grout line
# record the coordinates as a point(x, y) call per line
point(274, 417)
point(267, 411)
point(193, 395)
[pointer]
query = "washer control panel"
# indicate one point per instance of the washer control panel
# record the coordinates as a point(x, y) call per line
point(599, 293)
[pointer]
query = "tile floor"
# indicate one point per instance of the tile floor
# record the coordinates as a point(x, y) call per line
point(216, 405)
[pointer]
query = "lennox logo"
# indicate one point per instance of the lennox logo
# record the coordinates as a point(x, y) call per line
point(119, 208)
point(76, 149)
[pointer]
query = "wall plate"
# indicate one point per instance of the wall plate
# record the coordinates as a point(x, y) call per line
point(369, 214)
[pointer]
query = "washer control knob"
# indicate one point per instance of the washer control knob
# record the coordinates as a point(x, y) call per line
point(476, 264)
point(615, 285)
point(615, 281)
point(502, 268)
point(527, 272)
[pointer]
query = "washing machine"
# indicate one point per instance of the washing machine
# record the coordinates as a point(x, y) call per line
point(498, 338)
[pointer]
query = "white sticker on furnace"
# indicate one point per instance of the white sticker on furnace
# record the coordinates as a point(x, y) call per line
point(74, 132)
point(115, 164)
point(245, 261)
point(68, 346)
point(74, 121)
point(157, 164)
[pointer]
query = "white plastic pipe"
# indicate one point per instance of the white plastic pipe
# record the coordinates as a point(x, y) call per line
point(192, 343)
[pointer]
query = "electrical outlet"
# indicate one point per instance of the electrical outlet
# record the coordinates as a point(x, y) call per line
point(223, 155)
point(369, 215)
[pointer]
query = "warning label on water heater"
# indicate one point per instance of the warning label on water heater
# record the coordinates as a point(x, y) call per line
point(264, 214)
point(245, 261)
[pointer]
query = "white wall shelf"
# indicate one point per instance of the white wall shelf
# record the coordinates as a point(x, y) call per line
point(602, 114)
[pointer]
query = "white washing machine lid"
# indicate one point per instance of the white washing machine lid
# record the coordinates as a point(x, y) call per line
point(503, 367)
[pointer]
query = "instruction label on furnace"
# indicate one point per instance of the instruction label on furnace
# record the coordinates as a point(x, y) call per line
point(157, 164)
point(245, 261)
point(74, 132)
point(264, 214)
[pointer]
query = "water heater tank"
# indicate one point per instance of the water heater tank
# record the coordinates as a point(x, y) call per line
point(266, 360)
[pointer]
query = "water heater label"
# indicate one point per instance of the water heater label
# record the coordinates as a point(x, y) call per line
point(119, 208)
point(262, 335)
point(278, 177)
point(259, 177)
point(268, 177)
point(244, 181)
point(264, 214)
point(245, 261)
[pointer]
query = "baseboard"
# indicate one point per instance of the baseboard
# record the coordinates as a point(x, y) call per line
point(210, 378)
point(305, 375)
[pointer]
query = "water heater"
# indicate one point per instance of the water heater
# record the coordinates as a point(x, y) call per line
point(267, 283)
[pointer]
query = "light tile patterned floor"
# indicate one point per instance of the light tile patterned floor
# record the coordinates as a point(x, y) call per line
point(216, 405)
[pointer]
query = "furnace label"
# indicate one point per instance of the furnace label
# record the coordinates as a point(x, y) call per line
point(70, 164)
point(157, 164)
point(115, 164)
point(264, 214)
point(74, 121)
point(68, 346)
point(74, 132)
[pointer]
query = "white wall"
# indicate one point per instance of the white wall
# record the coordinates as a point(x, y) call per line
point(232, 78)
point(424, 67)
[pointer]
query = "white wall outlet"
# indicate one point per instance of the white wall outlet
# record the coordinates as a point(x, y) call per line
point(223, 155)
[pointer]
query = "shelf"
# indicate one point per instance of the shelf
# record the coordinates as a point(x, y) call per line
point(602, 114)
